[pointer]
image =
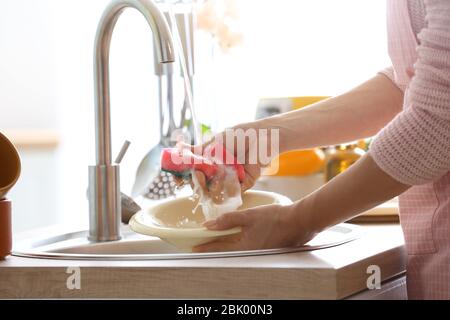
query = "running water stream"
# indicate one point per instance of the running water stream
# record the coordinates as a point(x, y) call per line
point(187, 83)
point(224, 200)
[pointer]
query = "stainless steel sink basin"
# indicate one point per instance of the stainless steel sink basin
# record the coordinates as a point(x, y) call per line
point(133, 246)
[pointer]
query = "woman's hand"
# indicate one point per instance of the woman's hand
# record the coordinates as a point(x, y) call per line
point(264, 227)
point(245, 148)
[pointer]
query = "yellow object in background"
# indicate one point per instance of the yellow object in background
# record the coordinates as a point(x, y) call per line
point(340, 158)
point(296, 162)
point(300, 102)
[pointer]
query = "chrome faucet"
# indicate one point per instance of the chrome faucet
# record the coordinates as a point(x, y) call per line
point(104, 177)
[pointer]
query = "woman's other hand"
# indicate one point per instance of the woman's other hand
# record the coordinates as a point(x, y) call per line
point(264, 227)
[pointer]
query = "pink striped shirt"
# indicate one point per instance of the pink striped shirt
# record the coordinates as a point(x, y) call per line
point(415, 147)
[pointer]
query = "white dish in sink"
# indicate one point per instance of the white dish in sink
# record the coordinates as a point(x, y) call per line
point(174, 221)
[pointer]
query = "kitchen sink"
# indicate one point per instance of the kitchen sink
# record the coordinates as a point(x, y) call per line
point(133, 246)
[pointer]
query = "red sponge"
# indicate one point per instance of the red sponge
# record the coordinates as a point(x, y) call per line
point(180, 162)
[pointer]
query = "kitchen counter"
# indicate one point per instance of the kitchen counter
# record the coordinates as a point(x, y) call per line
point(332, 273)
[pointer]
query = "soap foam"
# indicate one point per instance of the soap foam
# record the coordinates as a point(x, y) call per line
point(224, 193)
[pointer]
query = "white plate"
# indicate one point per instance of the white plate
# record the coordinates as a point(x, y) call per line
point(174, 222)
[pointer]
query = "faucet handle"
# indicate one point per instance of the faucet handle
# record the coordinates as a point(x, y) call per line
point(122, 151)
point(128, 205)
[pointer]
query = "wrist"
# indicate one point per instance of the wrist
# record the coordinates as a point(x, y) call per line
point(302, 216)
point(276, 134)
point(275, 123)
point(299, 222)
point(266, 135)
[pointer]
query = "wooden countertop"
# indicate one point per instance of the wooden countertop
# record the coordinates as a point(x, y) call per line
point(331, 273)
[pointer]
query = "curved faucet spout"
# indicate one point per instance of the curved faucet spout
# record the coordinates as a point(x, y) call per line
point(165, 53)
point(104, 183)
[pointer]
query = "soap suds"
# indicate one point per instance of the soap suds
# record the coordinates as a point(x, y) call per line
point(223, 195)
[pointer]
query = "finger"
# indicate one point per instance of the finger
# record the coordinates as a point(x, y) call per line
point(218, 246)
point(227, 221)
point(199, 148)
point(216, 185)
point(178, 181)
point(246, 184)
point(201, 179)
point(183, 145)
point(252, 173)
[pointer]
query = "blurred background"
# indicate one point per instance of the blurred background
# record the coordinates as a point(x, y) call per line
point(286, 48)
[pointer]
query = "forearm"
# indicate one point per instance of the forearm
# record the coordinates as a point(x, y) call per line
point(363, 186)
point(357, 114)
